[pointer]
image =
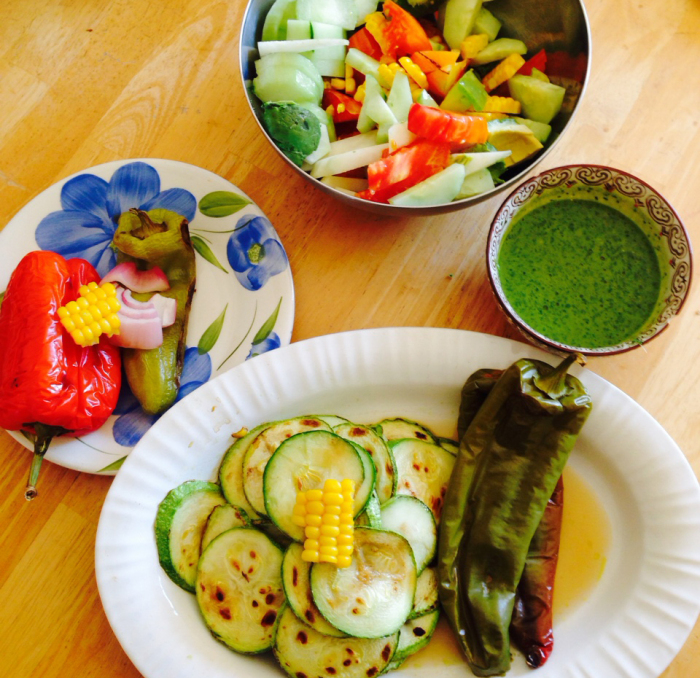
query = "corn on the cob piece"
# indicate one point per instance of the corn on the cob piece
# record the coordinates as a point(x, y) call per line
point(473, 44)
point(327, 518)
point(504, 71)
point(502, 105)
point(92, 314)
point(414, 72)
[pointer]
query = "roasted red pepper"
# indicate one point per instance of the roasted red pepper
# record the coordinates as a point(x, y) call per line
point(49, 385)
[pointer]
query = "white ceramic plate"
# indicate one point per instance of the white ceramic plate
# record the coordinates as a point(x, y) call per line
point(631, 626)
point(75, 217)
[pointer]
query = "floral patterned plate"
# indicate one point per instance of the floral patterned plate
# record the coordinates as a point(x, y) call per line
point(244, 301)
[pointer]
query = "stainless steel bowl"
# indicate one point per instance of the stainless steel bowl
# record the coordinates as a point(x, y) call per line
point(550, 24)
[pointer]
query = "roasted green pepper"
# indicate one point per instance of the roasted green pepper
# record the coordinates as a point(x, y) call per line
point(160, 238)
point(531, 626)
point(510, 460)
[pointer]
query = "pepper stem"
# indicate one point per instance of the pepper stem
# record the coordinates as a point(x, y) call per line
point(554, 383)
point(44, 435)
point(148, 227)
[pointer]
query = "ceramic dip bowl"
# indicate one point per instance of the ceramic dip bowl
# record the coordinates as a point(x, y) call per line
point(588, 259)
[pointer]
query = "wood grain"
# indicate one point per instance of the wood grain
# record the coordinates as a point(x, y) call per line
point(89, 81)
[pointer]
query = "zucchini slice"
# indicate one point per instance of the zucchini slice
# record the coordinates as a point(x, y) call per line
point(412, 519)
point(426, 598)
point(452, 446)
point(415, 634)
point(303, 651)
point(371, 516)
point(222, 518)
point(304, 462)
point(377, 448)
point(424, 470)
point(231, 471)
point(262, 448)
point(295, 579)
point(239, 589)
point(179, 525)
point(372, 597)
point(399, 428)
point(332, 420)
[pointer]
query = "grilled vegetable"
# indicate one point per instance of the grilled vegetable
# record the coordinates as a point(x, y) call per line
point(159, 238)
point(223, 517)
point(92, 314)
point(510, 460)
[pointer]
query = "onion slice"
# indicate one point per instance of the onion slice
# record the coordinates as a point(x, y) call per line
point(128, 275)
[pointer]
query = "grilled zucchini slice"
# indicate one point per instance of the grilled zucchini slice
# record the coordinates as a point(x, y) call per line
point(222, 518)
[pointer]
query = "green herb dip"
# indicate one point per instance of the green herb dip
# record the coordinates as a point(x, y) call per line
point(580, 273)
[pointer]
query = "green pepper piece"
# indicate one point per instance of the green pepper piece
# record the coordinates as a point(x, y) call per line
point(160, 238)
point(510, 460)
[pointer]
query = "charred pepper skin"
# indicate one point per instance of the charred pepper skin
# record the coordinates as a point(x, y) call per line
point(160, 238)
point(531, 628)
point(510, 460)
point(49, 385)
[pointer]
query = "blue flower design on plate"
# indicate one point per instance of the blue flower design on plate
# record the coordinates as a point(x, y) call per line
point(254, 252)
point(132, 422)
point(271, 342)
point(92, 206)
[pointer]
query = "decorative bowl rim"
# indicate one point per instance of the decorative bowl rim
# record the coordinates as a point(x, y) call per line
point(531, 333)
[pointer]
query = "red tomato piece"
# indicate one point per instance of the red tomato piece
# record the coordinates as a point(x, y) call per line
point(538, 61)
point(365, 42)
point(345, 108)
point(456, 129)
point(403, 32)
point(406, 167)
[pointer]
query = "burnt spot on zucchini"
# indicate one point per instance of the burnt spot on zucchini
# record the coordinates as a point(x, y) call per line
point(357, 431)
point(219, 594)
point(372, 671)
point(303, 637)
point(295, 576)
point(331, 670)
point(270, 598)
point(310, 616)
point(269, 618)
point(347, 662)
point(386, 652)
point(418, 631)
point(225, 613)
point(299, 674)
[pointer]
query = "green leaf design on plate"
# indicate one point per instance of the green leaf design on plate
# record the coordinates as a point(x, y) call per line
point(222, 204)
point(268, 325)
point(211, 334)
point(114, 466)
point(204, 249)
point(240, 343)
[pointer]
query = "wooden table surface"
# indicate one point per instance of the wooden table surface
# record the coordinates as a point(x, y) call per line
point(88, 81)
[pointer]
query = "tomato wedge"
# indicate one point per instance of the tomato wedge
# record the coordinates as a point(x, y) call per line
point(345, 108)
point(407, 166)
point(365, 42)
point(456, 129)
point(403, 32)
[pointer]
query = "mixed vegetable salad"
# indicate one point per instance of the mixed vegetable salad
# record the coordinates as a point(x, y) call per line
point(412, 103)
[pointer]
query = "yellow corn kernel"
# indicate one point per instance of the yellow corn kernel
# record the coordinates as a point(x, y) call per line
point(473, 44)
point(327, 550)
point(350, 86)
point(92, 314)
point(309, 556)
point(312, 532)
point(505, 70)
point(332, 485)
point(340, 108)
point(349, 72)
point(315, 508)
point(502, 105)
point(385, 76)
point(314, 495)
point(326, 541)
point(329, 531)
point(343, 561)
point(343, 538)
point(330, 110)
point(299, 521)
point(414, 72)
point(360, 93)
point(313, 520)
point(330, 519)
point(332, 498)
point(337, 83)
point(332, 509)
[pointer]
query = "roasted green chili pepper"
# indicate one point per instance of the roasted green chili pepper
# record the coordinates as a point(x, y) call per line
point(510, 460)
point(531, 626)
point(160, 238)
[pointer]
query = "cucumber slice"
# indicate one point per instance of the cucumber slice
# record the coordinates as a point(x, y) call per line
point(353, 143)
point(499, 49)
point(287, 76)
point(412, 519)
point(302, 651)
point(452, 446)
point(298, 30)
point(362, 62)
point(231, 471)
point(399, 135)
point(300, 46)
point(415, 634)
point(375, 446)
point(239, 589)
point(400, 98)
point(440, 188)
point(275, 26)
point(473, 162)
point(398, 428)
point(261, 449)
point(303, 462)
point(424, 472)
point(475, 183)
point(179, 525)
point(350, 160)
point(486, 23)
point(426, 598)
point(456, 19)
point(295, 579)
point(339, 12)
point(372, 597)
point(540, 100)
point(221, 519)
